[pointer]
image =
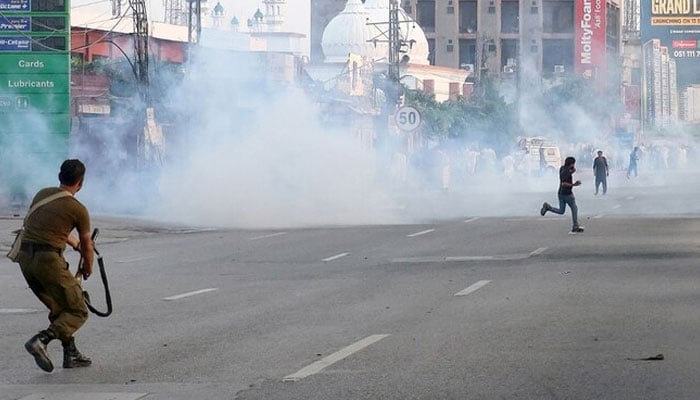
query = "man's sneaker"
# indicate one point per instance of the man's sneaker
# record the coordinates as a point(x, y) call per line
point(577, 229)
point(36, 346)
point(545, 208)
point(72, 358)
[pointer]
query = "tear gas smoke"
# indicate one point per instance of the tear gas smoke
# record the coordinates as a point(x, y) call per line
point(243, 150)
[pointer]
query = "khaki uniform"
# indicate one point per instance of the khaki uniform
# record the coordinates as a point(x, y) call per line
point(43, 266)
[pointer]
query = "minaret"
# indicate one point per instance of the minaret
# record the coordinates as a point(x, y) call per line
point(275, 14)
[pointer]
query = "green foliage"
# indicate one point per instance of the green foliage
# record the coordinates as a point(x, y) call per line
point(485, 117)
point(78, 65)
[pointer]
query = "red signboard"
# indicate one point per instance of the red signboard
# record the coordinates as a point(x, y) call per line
point(589, 41)
point(684, 44)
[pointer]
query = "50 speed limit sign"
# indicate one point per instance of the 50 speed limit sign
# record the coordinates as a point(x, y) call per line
point(407, 118)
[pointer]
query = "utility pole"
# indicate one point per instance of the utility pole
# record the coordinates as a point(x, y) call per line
point(141, 47)
point(397, 45)
point(194, 20)
point(149, 138)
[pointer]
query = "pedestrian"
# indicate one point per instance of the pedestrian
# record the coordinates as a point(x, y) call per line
point(47, 230)
point(601, 172)
point(634, 157)
point(566, 194)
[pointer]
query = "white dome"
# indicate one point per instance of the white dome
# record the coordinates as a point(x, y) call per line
point(346, 33)
point(410, 31)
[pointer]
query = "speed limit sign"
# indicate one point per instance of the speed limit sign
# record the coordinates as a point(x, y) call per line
point(407, 118)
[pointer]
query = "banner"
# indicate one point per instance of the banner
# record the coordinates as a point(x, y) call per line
point(589, 40)
point(676, 25)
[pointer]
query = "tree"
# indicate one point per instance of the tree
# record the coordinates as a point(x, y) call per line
point(485, 117)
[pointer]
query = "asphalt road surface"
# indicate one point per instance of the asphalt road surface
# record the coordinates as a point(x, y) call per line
point(482, 306)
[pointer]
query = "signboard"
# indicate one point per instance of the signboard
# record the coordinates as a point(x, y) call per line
point(589, 40)
point(35, 106)
point(34, 63)
point(15, 24)
point(35, 83)
point(14, 5)
point(676, 25)
point(15, 43)
point(407, 118)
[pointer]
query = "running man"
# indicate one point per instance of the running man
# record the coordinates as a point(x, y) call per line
point(566, 194)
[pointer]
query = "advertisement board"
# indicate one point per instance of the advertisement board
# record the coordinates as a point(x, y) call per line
point(35, 105)
point(589, 40)
point(676, 25)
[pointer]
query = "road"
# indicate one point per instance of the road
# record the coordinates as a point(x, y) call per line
point(481, 306)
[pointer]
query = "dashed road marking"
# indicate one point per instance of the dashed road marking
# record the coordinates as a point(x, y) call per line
point(335, 257)
point(84, 396)
point(472, 219)
point(616, 206)
point(538, 251)
point(537, 218)
point(134, 259)
point(472, 288)
point(188, 294)
point(421, 233)
point(498, 257)
point(18, 311)
point(268, 236)
point(319, 365)
point(629, 198)
point(599, 216)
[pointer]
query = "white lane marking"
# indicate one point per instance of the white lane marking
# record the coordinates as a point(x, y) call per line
point(135, 259)
point(472, 219)
point(469, 258)
point(616, 206)
point(599, 216)
point(197, 230)
point(18, 311)
point(629, 198)
point(538, 251)
point(268, 236)
point(538, 218)
point(421, 233)
point(498, 257)
point(319, 365)
point(84, 396)
point(472, 288)
point(335, 257)
point(188, 294)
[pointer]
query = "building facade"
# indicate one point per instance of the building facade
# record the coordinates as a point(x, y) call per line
point(690, 104)
point(495, 38)
point(660, 97)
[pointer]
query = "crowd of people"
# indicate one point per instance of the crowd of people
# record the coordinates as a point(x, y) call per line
point(447, 166)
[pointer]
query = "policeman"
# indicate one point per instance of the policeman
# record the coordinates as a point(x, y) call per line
point(47, 230)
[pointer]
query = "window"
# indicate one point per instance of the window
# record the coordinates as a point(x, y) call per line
point(467, 51)
point(431, 51)
point(467, 16)
point(510, 22)
point(557, 52)
point(558, 16)
point(509, 52)
point(425, 14)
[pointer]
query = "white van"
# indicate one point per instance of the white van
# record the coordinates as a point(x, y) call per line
point(540, 154)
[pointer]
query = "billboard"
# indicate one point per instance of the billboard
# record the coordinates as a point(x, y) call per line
point(35, 106)
point(589, 40)
point(676, 24)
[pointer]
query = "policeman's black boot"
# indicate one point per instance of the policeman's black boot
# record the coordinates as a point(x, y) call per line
point(72, 358)
point(36, 346)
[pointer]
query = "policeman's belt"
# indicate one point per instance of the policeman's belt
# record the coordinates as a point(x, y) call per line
point(32, 247)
